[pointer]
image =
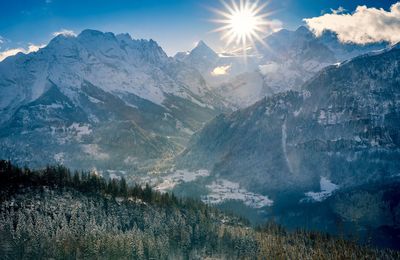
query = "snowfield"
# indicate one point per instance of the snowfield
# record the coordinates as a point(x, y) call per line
point(327, 188)
point(224, 190)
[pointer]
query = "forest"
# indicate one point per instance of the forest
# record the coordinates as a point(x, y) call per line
point(54, 213)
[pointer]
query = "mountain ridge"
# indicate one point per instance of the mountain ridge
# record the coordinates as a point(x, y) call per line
point(285, 61)
point(77, 91)
point(316, 101)
point(312, 152)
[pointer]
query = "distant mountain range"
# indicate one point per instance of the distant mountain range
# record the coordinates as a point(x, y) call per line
point(339, 123)
point(285, 61)
point(109, 101)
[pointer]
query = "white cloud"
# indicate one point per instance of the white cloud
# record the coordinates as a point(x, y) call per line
point(365, 25)
point(221, 70)
point(12, 52)
point(3, 42)
point(34, 48)
point(340, 10)
point(275, 25)
point(65, 32)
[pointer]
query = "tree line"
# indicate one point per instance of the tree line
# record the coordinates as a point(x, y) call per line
point(58, 214)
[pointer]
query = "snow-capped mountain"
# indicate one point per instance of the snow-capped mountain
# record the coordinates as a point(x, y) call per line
point(107, 96)
point(328, 153)
point(343, 125)
point(201, 57)
point(285, 62)
point(215, 67)
point(292, 57)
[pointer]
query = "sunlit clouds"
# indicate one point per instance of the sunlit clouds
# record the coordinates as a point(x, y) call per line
point(12, 52)
point(65, 32)
point(365, 25)
point(31, 47)
point(221, 70)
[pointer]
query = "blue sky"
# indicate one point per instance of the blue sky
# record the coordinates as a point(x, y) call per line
point(175, 24)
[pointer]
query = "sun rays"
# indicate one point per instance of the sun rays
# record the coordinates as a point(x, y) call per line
point(242, 23)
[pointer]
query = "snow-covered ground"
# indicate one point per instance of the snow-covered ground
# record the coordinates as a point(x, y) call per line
point(79, 130)
point(179, 176)
point(224, 190)
point(113, 176)
point(327, 188)
point(59, 157)
point(94, 151)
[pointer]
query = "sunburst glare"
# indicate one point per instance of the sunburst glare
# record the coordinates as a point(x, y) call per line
point(243, 23)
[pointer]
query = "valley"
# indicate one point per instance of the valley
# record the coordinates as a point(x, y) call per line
point(303, 134)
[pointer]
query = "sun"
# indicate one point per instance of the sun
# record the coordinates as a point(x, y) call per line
point(242, 23)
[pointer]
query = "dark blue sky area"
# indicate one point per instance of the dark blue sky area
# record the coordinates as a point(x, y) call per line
point(175, 24)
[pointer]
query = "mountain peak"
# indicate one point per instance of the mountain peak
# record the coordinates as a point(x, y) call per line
point(203, 50)
point(303, 30)
point(91, 34)
point(124, 37)
point(202, 44)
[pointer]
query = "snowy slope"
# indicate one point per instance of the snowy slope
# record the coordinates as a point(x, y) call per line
point(129, 93)
point(138, 67)
point(342, 124)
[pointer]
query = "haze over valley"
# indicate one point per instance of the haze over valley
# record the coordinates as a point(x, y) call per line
point(279, 129)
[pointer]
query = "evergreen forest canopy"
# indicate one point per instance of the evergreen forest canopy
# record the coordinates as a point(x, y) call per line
point(54, 213)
